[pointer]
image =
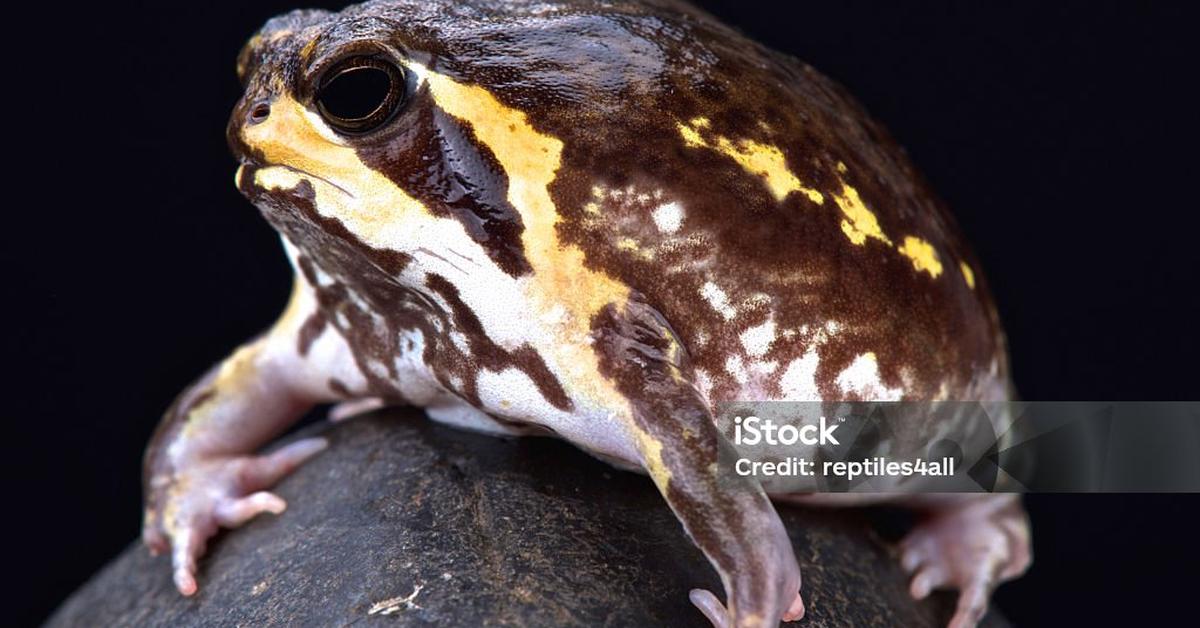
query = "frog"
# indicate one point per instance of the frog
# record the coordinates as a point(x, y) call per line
point(595, 220)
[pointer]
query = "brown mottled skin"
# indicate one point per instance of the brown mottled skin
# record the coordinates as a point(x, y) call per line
point(613, 86)
point(620, 85)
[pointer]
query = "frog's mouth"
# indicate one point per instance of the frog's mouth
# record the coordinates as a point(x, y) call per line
point(280, 177)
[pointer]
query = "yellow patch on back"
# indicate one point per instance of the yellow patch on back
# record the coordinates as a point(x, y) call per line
point(968, 274)
point(859, 223)
point(922, 254)
point(763, 160)
point(691, 134)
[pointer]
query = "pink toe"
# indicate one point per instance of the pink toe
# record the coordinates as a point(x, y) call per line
point(972, 605)
point(910, 560)
point(796, 611)
point(185, 581)
point(925, 582)
point(235, 512)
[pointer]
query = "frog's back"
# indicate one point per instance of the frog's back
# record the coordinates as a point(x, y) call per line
point(780, 231)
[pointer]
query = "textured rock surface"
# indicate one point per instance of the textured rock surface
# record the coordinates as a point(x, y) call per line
point(458, 529)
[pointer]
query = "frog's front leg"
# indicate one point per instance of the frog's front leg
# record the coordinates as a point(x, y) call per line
point(728, 517)
point(200, 471)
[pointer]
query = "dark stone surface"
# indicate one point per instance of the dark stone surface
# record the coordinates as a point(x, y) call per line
point(522, 532)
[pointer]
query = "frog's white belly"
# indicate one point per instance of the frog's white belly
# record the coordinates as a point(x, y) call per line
point(510, 405)
point(595, 430)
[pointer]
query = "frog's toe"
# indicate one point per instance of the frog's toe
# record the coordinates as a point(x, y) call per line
point(264, 471)
point(795, 611)
point(925, 580)
point(232, 513)
point(712, 607)
point(188, 546)
point(972, 604)
point(152, 533)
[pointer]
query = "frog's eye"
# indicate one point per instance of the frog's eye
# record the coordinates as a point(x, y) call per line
point(360, 94)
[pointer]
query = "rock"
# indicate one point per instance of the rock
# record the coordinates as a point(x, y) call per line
point(406, 522)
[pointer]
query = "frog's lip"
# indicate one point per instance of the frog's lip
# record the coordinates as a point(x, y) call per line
point(253, 166)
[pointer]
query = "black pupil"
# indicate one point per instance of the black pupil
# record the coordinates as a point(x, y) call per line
point(356, 93)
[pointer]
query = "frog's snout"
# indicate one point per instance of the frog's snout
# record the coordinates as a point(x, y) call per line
point(252, 110)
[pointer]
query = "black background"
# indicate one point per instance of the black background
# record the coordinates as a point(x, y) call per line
point(1060, 134)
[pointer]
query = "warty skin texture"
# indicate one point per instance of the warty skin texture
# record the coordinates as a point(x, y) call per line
point(594, 220)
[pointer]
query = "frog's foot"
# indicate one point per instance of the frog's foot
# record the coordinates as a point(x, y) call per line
point(971, 545)
point(715, 611)
point(758, 568)
point(186, 509)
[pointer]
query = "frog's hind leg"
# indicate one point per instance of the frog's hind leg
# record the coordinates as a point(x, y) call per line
point(969, 543)
point(728, 517)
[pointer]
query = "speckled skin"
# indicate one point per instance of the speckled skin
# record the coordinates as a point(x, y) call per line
point(596, 220)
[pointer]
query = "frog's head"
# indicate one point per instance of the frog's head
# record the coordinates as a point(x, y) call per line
point(333, 114)
point(386, 119)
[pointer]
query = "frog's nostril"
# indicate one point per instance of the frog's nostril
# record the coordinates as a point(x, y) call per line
point(259, 112)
